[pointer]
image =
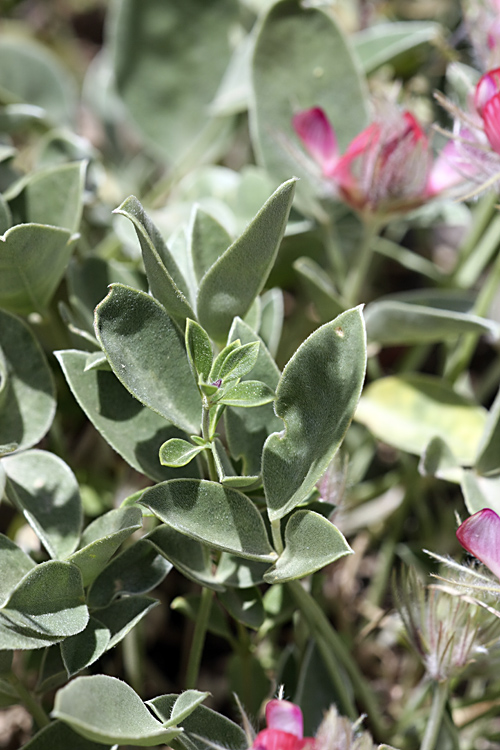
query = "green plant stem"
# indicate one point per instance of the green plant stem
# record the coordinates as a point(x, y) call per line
point(359, 269)
point(324, 633)
point(481, 218)
point(200, 631)
point(29, 701)
point(461, 356)
point(436, 716)
point(334, 251)
point(205, 432)
point(276, 532)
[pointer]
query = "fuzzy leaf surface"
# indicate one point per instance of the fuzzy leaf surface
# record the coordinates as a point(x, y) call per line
point(233, 282)
point(311, 542)
point(146, 352)
point(210, 513)
point(316, 398)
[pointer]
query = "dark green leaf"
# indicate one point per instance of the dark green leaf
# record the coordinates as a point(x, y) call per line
point(316, 397)
point(14, 564)
point(123, 615)
point(203, 728)
point(49, 600)
point(59, 736)
point(189, 556)
point(82, 650)
point(240, 361)
point(206, 511)
point(146, 352)
point(242, 574)
point(137, 570)
point(244, 605)
point(230, 286)
point(102, 538)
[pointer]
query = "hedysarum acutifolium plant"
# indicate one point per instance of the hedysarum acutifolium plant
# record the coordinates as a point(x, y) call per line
point(215, 332)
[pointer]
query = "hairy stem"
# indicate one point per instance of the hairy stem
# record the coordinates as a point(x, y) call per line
point(436, 716)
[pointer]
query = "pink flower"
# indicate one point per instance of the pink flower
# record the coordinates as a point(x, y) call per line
point(487, 104)
point(386, 168)
point(285, 728)
point(480, 535)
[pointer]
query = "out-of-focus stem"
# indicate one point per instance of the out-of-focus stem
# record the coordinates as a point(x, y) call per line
point(29, 701)
point(331, 645)
point(358, 272)
point(200, 630)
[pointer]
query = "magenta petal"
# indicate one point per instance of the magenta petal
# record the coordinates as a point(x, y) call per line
point(491, 120)
point(285, 716)
point(480, 535)
point(314, 129)
point(487, 86)
point(446, 171)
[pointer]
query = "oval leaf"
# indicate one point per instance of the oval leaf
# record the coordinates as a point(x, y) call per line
point(14, 564)
point(107, 710)
point(316, 397)
point(230, 286)
point(407, 412)
point(176, 452)
point(146, 352)
point(199, 349)
point(82, 650)
point(311, 542)
point(249, 393)
point(33, 258)
point(220, 517)
point(45, 491)
point(28, 403)
point(133, 430)
point(49, 600)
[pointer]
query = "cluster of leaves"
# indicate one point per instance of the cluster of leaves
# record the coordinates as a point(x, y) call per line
point(172, 332)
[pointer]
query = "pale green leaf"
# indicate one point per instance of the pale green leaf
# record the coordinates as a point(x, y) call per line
point(106, 710)
point(408, 411)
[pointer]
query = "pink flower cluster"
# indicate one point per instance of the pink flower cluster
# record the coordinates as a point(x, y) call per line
point(389, 168)
point(386, 168)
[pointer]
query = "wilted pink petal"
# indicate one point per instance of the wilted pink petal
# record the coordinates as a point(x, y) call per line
point(491, 120)
point(314, 129)
point(285, 716)
point(480, 535)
